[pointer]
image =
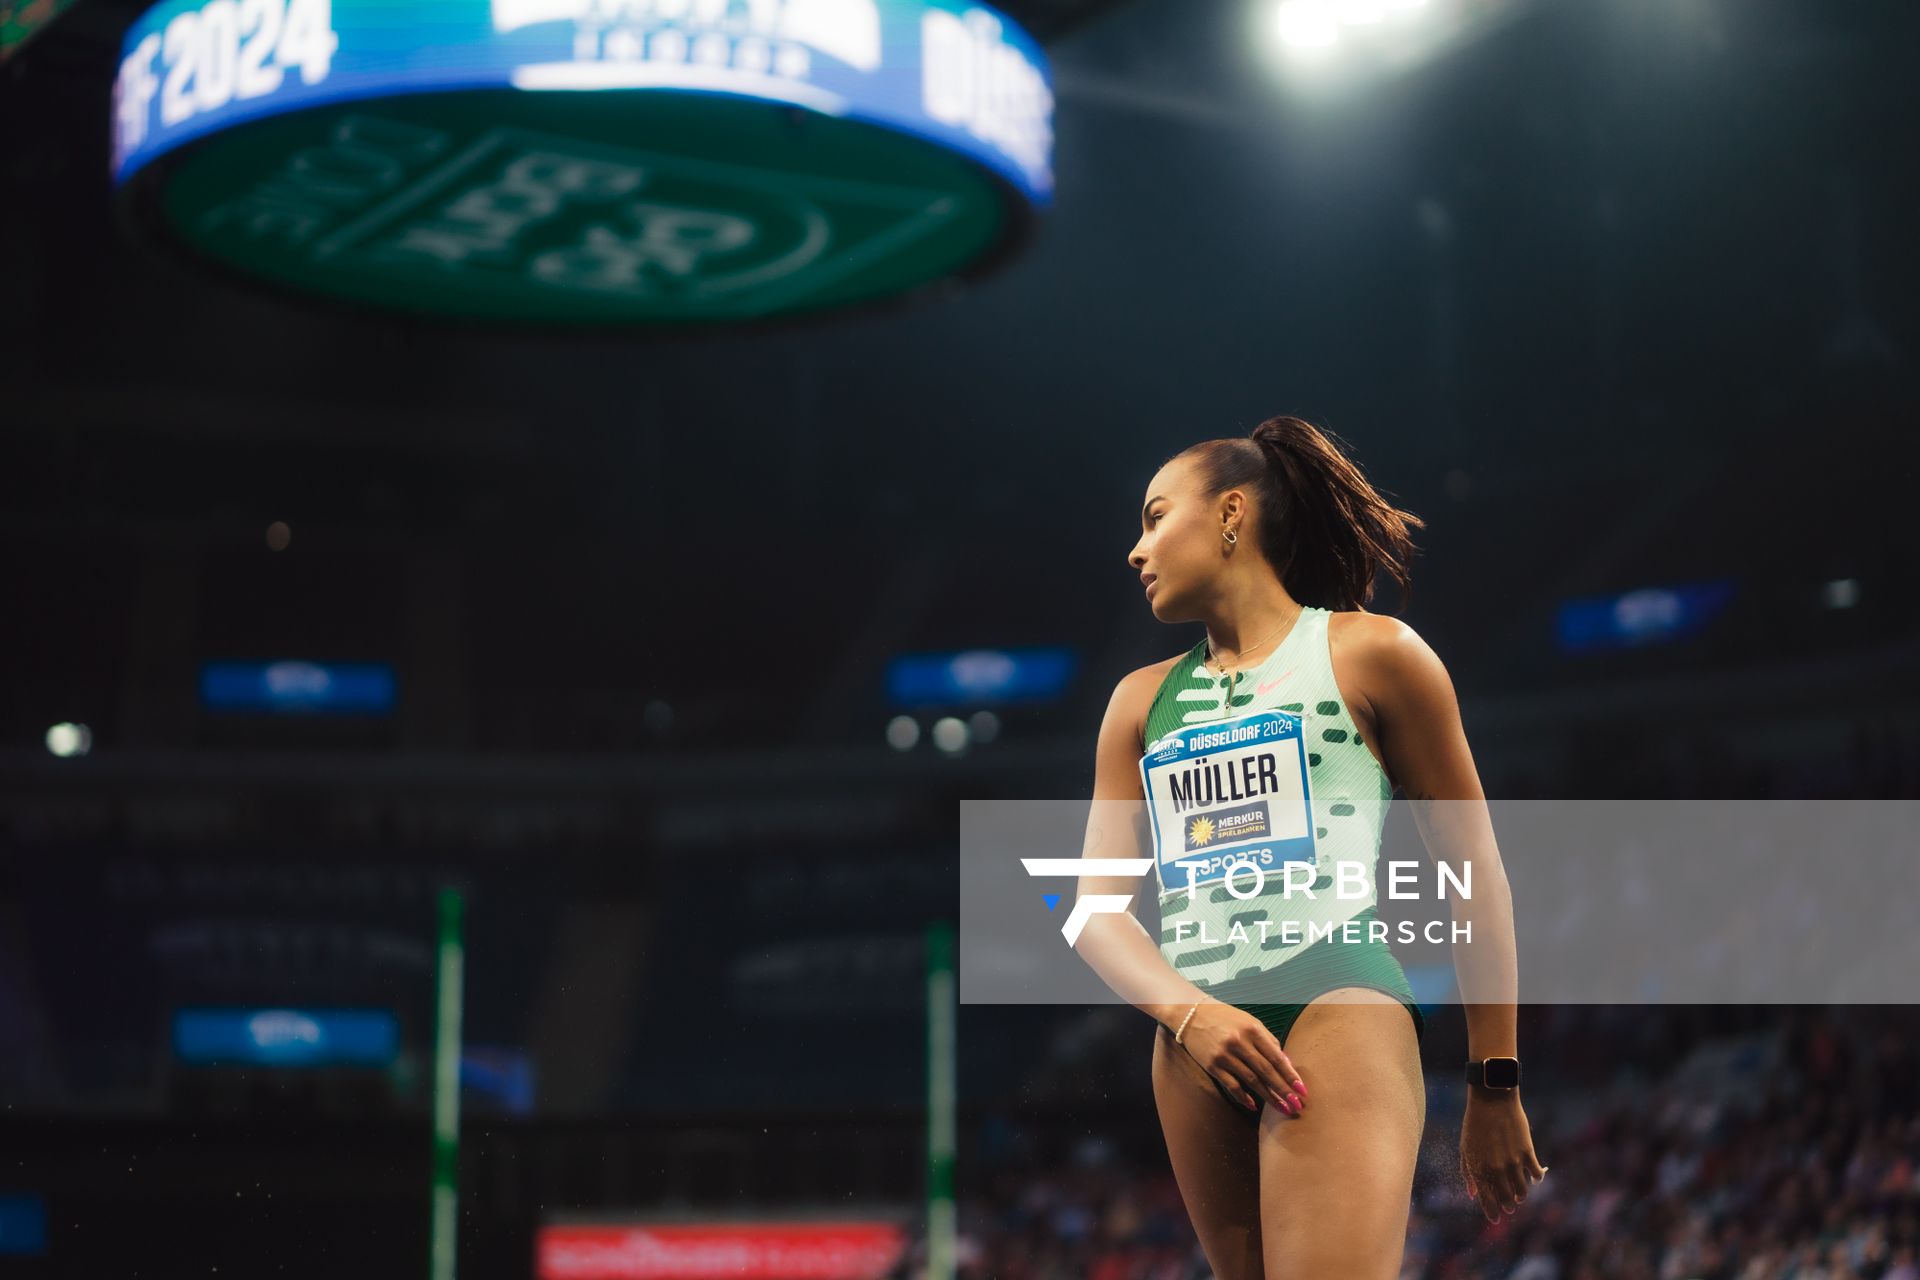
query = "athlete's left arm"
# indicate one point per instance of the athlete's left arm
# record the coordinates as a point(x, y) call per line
point(1416, 722)
point(1416, 719)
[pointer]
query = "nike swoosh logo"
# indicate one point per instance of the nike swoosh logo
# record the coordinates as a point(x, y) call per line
point(1274, 683)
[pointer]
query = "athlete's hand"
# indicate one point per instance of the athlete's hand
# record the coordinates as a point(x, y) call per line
point(1496, 1151)
point(1237, 1050)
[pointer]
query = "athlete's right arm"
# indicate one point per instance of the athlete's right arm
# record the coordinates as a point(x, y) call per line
point(1115, 943)
point(1233, 1045)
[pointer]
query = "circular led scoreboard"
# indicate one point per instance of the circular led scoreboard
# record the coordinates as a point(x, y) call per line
point(670, 163)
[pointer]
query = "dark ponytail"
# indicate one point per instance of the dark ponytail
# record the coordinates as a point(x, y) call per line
point(1324, 529)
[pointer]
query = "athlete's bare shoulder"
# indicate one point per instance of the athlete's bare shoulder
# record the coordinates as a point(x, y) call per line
point(1133, 695)
point(1365, 633)
point(1378, 658)
point(1154, 672)
point(1144, 682)
point(1407, 704)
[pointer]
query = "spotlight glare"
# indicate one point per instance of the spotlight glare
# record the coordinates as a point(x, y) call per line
point(68, 740)
point(902, 733)
point(950, 734)
point(1306, 24)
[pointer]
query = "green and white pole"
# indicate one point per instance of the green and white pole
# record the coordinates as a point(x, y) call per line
point(446, 1088)
point(940, 1101)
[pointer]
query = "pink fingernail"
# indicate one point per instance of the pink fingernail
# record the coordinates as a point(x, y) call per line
point(1296, 1103)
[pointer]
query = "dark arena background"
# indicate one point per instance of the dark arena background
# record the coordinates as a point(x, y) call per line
point(482, 745)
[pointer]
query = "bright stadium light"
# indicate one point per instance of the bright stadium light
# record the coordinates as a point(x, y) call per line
point(902, 733)
point(69, 740)
point(1332, 49)
point(950, 734)
point(1305, 25)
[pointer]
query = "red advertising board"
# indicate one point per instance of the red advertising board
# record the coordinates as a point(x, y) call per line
point(803, 1250)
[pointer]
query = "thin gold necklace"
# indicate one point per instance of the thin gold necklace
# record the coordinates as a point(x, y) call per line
point(1221, 670)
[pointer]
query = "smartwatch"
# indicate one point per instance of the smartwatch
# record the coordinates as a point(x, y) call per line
point(1494, 1073)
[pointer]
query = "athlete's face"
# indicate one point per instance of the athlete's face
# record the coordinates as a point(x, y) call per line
point(1180, 542)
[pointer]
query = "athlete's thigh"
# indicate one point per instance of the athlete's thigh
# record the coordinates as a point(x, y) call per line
point(1336, 1181)
point(1215, 1153)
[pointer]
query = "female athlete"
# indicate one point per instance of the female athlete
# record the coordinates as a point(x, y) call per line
point(1286, 1065)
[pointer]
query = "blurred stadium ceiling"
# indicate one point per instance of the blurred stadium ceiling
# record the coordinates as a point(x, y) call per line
point(1587, 297)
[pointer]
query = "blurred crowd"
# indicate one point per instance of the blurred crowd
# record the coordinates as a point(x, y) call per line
point(1786, 1153)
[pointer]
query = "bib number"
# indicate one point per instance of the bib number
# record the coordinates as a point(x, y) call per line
point(1227, 796)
